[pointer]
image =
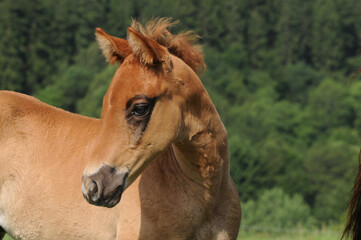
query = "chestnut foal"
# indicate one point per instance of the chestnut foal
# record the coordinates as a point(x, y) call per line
point(157, 159)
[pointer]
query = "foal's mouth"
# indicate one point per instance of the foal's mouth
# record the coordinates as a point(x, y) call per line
point(106, 201)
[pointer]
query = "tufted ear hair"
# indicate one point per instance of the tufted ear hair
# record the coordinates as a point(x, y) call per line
point(148, 51)
point(114, 49)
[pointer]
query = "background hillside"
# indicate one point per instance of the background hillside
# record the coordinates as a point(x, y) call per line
point(279, 72)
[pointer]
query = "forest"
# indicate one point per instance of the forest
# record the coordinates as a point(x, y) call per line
point(282, 74)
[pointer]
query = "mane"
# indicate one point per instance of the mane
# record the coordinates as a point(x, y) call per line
point(353, 226)
point(181, 45)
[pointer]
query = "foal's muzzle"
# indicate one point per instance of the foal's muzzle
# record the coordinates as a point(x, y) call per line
point(105, 187)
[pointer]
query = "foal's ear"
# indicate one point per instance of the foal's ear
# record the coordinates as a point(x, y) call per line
point(148, 51)
point(114, 49)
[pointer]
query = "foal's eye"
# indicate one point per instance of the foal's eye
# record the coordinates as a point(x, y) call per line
point(140, 109)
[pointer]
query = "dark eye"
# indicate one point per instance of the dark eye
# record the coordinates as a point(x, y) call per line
point(140, 109)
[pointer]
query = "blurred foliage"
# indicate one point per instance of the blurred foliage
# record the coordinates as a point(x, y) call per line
point(279, 72)
point(274, 208)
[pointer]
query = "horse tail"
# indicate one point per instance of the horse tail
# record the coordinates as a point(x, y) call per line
point(2, 232)
point(353, 225)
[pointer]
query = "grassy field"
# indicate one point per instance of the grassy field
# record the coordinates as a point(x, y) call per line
point(287, 236)
point(327, 233)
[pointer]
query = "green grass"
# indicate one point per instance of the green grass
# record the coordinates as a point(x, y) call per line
point(326, 233)
point(7, 237)
point(288, 236)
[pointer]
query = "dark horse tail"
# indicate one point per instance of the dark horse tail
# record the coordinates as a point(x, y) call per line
point(353, 226)
point(2, 232)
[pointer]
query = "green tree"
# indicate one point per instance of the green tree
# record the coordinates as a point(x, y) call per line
point(96, 91)
point(327, 41)
point(274, 208)
point(330, 167)
point(296, 82)
point(294, 31)
point(72, 85)
point(328, 107)
point(15, 25)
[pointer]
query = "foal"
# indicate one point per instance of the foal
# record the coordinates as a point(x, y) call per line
point(157, 159)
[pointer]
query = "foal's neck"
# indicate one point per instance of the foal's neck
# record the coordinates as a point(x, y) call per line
point(202, 153)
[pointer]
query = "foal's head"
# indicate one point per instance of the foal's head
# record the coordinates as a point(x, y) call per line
point(142, 109)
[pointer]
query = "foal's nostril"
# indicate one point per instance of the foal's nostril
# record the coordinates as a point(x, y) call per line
point(94, 191)
point(93, 187)
point(90, 189)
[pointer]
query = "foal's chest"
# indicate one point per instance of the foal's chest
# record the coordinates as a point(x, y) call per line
point(173, 212)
